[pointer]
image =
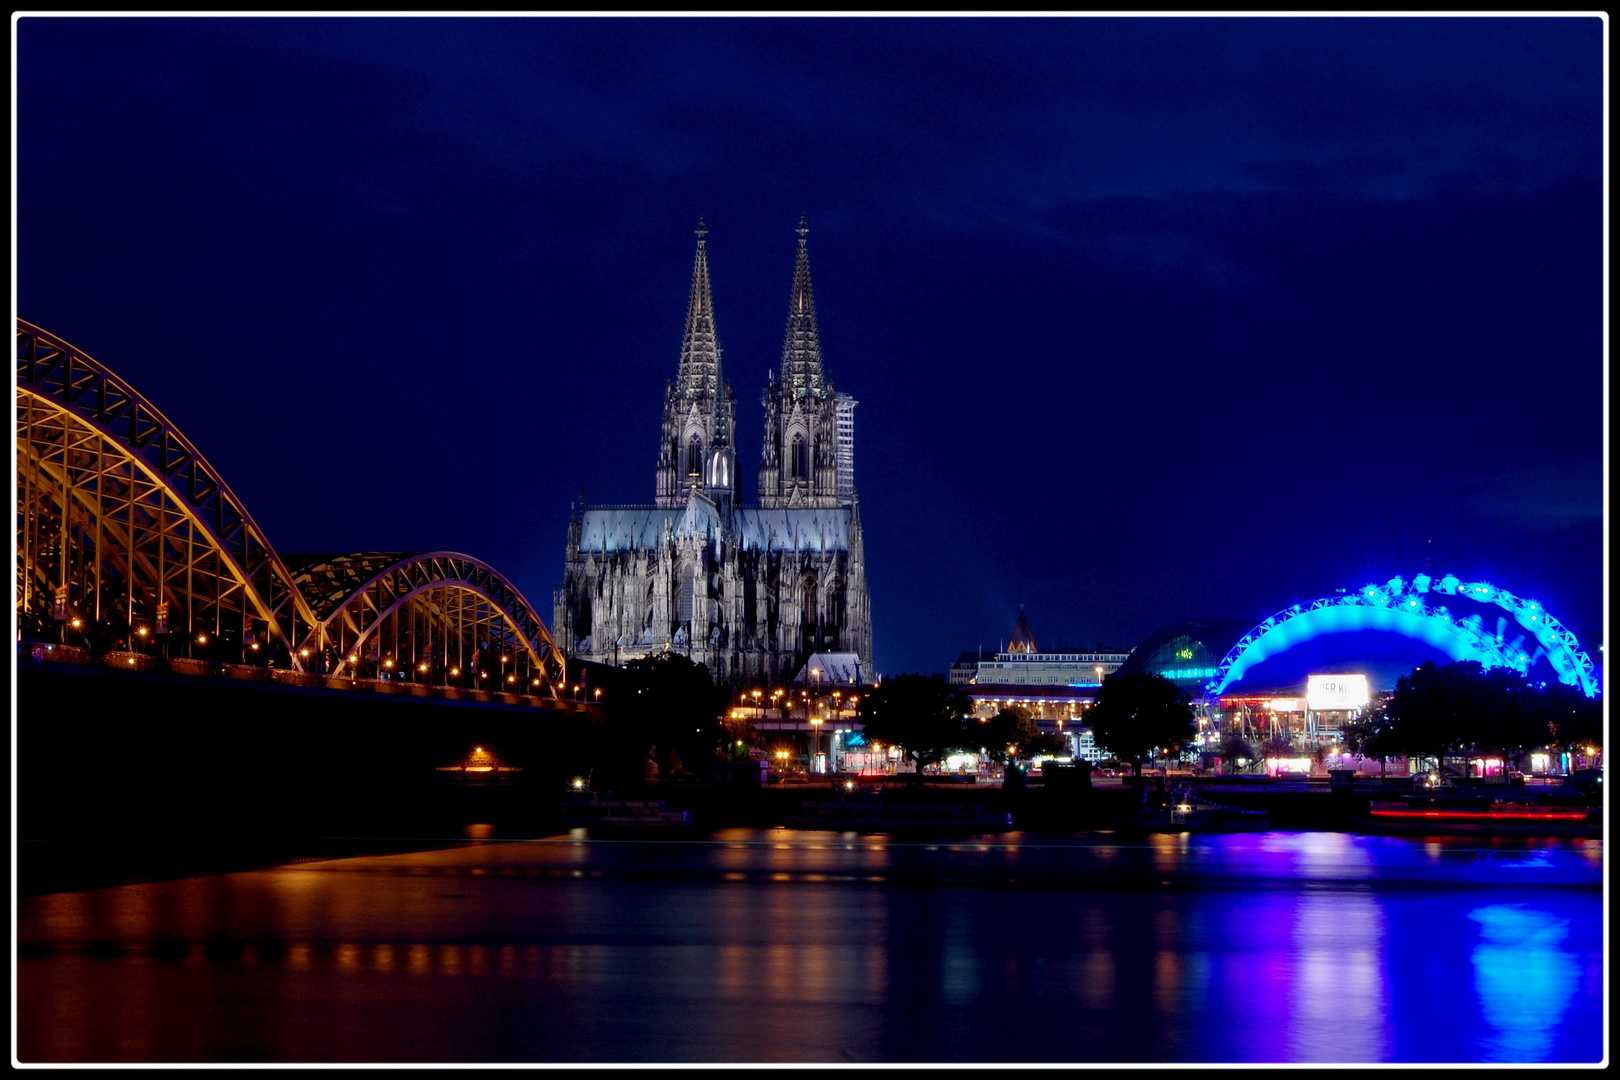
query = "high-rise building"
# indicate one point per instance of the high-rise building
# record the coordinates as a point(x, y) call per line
point(750, 591)
point(844, 410)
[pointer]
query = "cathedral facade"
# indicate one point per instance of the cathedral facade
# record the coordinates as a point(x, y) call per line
point(750, 591)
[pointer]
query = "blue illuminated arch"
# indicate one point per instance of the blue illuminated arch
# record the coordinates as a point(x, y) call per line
point(1411, 611)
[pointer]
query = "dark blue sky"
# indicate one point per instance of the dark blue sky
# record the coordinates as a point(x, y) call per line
point(1149, 319)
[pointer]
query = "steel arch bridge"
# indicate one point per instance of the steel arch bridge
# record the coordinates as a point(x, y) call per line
point(443, 615)
point(124, 525)
point(1410, 609)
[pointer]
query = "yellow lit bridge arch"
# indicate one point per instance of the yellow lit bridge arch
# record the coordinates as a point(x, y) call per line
point(126, 533)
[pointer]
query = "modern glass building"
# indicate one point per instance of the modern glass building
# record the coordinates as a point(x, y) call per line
point(1186, 653)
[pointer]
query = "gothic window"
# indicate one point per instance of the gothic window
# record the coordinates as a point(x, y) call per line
point(801, 467)
point(683, 599)
point(694, 455)
point(809, 591)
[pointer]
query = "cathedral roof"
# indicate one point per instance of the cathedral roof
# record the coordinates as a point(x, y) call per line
point(699, 374)
point(801, 347)
point(1023, 638)
point(836, 669)
point(624, 528)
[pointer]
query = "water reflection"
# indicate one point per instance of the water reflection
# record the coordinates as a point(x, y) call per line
point(1524, 978)
point(773, 946)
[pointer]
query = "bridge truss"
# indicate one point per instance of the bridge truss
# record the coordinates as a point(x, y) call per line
point(439, 617)
point(128, 537)
point(118, 508)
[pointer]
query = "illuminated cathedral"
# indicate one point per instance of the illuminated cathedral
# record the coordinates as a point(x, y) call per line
point(750, 590)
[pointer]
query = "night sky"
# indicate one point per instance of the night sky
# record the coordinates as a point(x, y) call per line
point(1149, 319)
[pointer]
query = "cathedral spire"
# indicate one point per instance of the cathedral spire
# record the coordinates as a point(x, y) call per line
point(801, 347)
point(699, 410)
point(699, 374)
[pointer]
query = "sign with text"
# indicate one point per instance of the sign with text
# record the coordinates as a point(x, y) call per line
point(1327, 692)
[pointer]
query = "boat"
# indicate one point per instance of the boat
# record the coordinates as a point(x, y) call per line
point(873, 814)
point(600, 808)
point(1182, 811)
point(1461, 814)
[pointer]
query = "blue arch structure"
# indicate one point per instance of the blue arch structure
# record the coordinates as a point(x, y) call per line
point(1411, 610)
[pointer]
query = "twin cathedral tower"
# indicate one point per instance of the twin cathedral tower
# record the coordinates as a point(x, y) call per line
point(751, 591)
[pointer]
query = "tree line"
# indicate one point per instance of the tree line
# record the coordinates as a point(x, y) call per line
point(1134, 716)
point(1466, 709)
point(666, 708)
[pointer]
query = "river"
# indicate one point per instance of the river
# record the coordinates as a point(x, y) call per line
point(782, 946)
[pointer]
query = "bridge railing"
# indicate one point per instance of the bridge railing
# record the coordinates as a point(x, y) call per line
point(39, 653)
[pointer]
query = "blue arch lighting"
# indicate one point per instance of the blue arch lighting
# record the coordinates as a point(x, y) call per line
point(1411, 610)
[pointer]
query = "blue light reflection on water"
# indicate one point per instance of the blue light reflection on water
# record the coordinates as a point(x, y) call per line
point(771, 946)
point(1524, 977)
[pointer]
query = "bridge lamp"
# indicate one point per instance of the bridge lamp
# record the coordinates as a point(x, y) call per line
point(76, 624)
point(598, 693)
point(202, 639)
point(254, 646)
point(455, 671)
point(141, 632)
point(511, 678)
point(304, 653)
point(421, 667)
point(353, 658)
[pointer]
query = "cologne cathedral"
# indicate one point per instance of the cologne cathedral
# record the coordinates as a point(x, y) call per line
point(752, 591)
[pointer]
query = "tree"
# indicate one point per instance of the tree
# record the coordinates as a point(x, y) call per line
point(1139, 713)
point(1235, 751)
point(670, 703)
point(1368, 734)
point(923, 714)
point(1573, 719)
point(1278, 746)
point(1465, 708)
point(1013, 733)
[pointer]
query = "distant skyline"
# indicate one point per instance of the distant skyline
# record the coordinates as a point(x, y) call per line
point(1149, 319)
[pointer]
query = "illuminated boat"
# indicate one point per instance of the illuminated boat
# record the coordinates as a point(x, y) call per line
point(1183, 811)
point(1442, 815)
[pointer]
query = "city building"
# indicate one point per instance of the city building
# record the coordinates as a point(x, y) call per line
point(750, 591)
point(1186, 653)
point(966, 668)
point(1022, 664)
point(1056, 688)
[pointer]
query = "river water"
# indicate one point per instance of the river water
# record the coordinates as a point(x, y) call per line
point(786, 946)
